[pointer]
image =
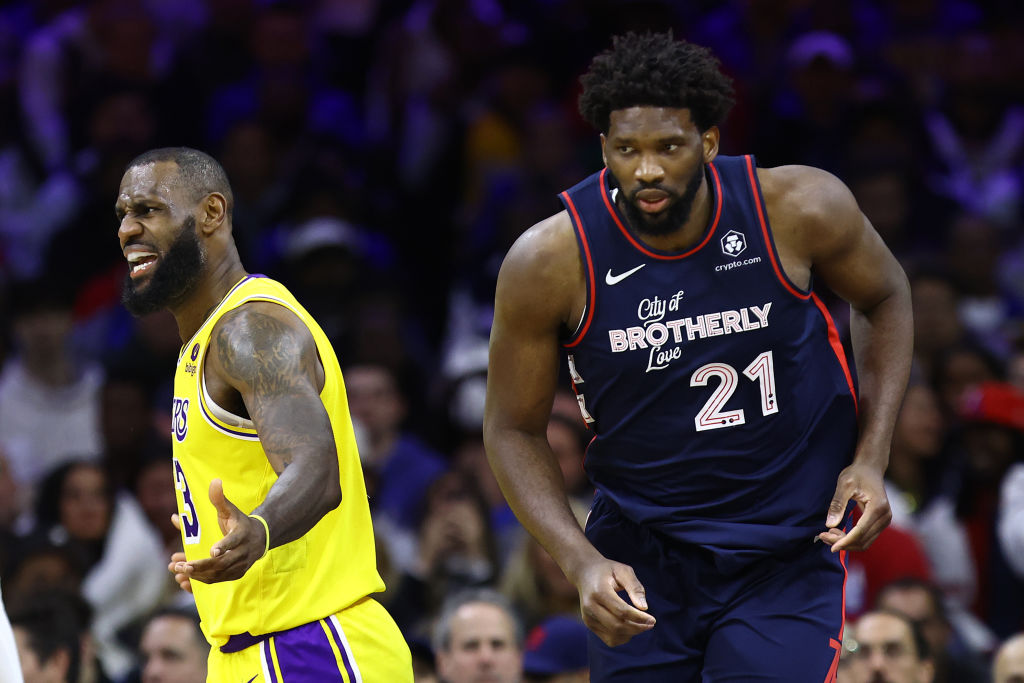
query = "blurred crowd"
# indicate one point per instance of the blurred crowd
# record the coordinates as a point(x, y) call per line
point(384, 154)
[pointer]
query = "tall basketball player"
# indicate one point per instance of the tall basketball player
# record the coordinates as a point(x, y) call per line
point(271, 502)
point(729, 432)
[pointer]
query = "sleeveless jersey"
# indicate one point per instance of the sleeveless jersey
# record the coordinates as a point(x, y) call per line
point(333, 565)
point(719, 392)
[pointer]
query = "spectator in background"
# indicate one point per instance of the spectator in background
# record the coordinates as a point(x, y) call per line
point(568, 438)
point(1015, 365)
point(989, 311)
point(958, 368)
point(556, 652)
point(958, 528)
point(126, 423)
point(10, 507)
point(478, 637)
point(42, 566)
point(887, 646)
point(156, 498)
point(455, 550)
point(399, 467)
point(173, 648)
point(1009, 661)
point(914, 466)
point(922, 602)
point(49, 397)
point(52, 633)
point(536, 585)
point(937, 324)
point(125, 569)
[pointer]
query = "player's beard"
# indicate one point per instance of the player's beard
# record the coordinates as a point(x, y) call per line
point(672, 217)
point(174, 277)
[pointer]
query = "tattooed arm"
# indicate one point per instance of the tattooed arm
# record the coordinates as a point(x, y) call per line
point(263, 363)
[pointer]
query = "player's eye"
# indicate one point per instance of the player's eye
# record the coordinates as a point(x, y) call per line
point(625, 149)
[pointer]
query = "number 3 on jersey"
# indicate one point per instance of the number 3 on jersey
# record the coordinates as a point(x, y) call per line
point(711, 416)
point(189, 519)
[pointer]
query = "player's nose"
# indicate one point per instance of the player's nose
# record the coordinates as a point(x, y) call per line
point(649, 170)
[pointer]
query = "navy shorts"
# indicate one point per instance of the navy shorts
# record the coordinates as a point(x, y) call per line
point(778, 619)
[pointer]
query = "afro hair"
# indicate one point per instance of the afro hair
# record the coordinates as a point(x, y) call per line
point(654, 69)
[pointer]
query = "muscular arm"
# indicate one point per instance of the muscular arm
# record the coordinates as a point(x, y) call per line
point(829, 232)
point(265, 353)
point(262, 353)
point(534, 301)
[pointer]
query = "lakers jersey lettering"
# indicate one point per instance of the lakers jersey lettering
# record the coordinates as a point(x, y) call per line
point(329, 568)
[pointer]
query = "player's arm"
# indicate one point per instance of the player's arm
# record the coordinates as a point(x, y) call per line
point(265, 353)
point(847, 254)
point(533, 304)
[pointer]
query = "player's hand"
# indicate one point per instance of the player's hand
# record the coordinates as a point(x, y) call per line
point(611, 618)
point(864, 485)
point(230, 557)
point(182, 579)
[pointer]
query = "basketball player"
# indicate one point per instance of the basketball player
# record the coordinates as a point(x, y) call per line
point(271, 502)
point(729, 433)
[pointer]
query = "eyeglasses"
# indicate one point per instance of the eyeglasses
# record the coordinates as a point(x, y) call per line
point(891, 649)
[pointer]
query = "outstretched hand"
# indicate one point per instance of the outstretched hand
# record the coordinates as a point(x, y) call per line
point(611, 618)
point(864, 485)
point(243, 543)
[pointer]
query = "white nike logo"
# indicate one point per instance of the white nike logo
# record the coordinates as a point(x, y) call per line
point(616, 279)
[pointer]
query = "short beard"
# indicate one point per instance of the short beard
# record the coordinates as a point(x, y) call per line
point(671, 218)
point(174, 278)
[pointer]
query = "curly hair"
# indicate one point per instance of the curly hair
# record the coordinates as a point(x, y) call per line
point(654, 69)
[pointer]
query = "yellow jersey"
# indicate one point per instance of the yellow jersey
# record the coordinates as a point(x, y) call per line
point(330, 568)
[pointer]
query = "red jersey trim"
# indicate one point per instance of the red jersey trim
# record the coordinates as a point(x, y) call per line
point(837, 347)
point(837, 645)
point(591, 284)
point(768, 242)
point(653, 254)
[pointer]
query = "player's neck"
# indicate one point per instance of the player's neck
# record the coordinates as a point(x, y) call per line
point(208, 293)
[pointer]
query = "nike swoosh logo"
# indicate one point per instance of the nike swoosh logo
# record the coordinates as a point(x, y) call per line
point(252, 679)
point(616, 279)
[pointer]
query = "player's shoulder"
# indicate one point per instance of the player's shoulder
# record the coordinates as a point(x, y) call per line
point(805, 194)
point(542, 274)
point(257, 323)
point(543, 250)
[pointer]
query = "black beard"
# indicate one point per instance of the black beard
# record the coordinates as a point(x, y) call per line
point(670, 219)
point(174, 277)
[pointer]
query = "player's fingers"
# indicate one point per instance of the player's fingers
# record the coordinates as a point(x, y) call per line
point(176, 559)
point(622, 612)
point(225, 508)
point(868, 528)
point(627, 581)
point(831, 536)
point(609, 626)
point(176, 521)
point(837, 507)
point(229, 542)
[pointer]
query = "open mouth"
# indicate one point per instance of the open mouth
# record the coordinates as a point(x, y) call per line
point(140, 262)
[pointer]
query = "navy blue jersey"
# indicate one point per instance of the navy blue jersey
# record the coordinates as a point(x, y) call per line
point(719, 392)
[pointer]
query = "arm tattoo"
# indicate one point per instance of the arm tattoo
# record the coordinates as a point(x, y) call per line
point(270, 358)
point(273, 365)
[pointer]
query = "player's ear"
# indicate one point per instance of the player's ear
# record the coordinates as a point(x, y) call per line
point(709, 140)
point(604, 157)
point(213, 212)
